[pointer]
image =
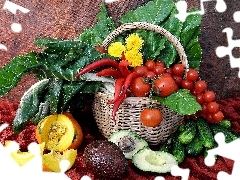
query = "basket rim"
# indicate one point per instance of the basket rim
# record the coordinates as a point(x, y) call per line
point(152, 27)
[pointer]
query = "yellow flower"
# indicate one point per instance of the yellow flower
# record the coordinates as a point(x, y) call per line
point(115, 49)
point(134, 57)
point(134, 41)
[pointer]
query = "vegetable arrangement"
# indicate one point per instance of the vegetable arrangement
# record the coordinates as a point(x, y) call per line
point(139, 63)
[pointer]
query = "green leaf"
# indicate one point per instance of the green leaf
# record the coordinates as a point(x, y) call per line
point(54, 90)
point(29, 105)
point(182, 102)
point(43, 111)
point(153, 12)
point(13, 71)
point(96, 34)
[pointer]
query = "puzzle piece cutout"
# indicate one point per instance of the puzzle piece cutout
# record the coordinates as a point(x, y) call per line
point(15, 27)
point(228, 150)
point(182, 9)
point(177, 171)
point(9, 169)
point(222, 51)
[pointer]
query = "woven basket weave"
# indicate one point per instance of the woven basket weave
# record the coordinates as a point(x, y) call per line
point(128, 114)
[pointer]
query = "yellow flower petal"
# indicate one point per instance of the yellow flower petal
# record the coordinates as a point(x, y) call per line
point(115, 49)
point(134, 41)
point(134, 57)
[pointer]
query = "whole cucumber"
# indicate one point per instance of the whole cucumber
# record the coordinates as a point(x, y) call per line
point(205, 133)
point(187, 135)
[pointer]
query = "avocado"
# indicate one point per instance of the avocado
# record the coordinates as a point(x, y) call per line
point(128, 141)
point(105, 160)
point(153, 161)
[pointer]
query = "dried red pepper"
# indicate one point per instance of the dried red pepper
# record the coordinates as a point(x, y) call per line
point(110, 72)
point(118, 89)
point(123, 67)
point(97, 64)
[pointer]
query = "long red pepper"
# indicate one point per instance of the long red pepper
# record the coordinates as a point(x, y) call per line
point(116, 105)
point(110, 72)
point(123, 67)
point(128, 81)
point(118, 89)
point(97, 64)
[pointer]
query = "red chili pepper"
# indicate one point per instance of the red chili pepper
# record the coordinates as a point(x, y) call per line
point(116, 105)
point(118, 89)
point(128, 81)
point(110, 72)
point(97, 64)
point(123, 67)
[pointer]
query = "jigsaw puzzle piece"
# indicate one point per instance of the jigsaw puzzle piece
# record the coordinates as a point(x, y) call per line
point(222, 51)
point(182, 9)
point(177, 171)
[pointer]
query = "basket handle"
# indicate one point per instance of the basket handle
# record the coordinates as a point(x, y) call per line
point(151, 27)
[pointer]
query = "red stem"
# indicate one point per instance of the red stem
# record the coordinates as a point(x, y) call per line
point(97, 64)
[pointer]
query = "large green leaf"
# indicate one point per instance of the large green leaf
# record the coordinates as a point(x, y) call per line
point(182, 102)
point(12, 72)
point(29, 104)
point(154, 12)
point(96, 34)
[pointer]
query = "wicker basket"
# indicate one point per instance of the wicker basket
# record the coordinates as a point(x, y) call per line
point(128, 114)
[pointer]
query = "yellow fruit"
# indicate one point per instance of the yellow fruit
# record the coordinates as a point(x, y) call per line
point(22, 158)
point(59, 132)
point(51, 161)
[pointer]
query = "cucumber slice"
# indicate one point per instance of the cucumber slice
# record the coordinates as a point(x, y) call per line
point(128, 141)
point(154, 161)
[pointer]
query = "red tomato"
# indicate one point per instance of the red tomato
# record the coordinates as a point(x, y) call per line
point(159, 69)
point(139, 88)
point(192, 75)
point(186, 84)
point(150, 64)
point(212, 107)
point(200, 86)
point(165, 86)
point(151, 117)
point(209, 96)
point(149, 74)
point(178, 69)
point(140, 70)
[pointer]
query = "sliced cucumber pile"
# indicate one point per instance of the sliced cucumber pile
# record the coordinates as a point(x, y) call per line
point(196, 137)
point(153, 161)
point(128, 141)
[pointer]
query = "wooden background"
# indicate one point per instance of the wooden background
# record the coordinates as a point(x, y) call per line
point(66, 19)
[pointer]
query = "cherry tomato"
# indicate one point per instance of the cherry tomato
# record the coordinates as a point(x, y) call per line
point(212, 107)
point(140, 70)
point(209, 96)
point(165, 86)
point(192, 75)
point(160, 63)
point(199, 98)
point(169, 70)
point(150, 64)
point(178, 69)
point(178, 79)
point(200, 86)
point(218, 116)
point(151, 117)
point(186, 84)
point(158, 70)
point(204, 108)
point(139, 88)
point(149, 74)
